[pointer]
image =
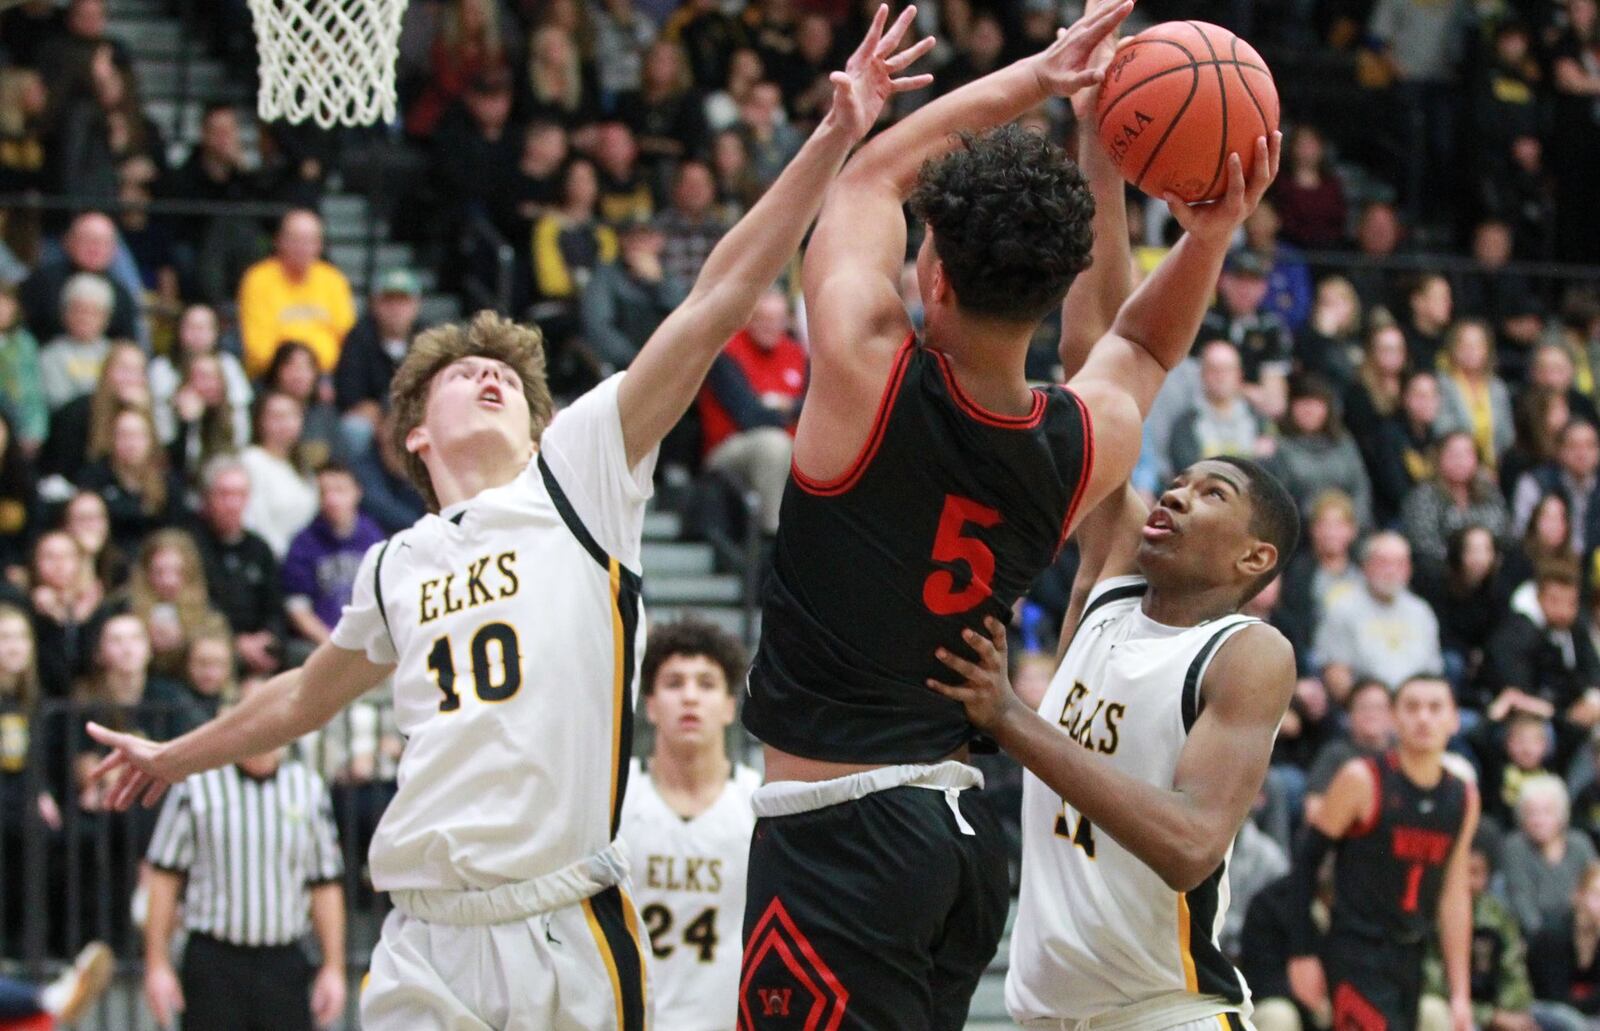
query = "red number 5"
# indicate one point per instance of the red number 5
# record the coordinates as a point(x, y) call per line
point(953, 545)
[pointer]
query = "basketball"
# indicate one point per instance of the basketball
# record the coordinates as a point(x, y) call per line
point(1177, 99)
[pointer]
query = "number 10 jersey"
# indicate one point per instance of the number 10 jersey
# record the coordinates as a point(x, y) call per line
point(514, 623)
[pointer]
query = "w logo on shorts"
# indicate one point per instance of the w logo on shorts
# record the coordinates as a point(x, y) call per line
point(784, 983)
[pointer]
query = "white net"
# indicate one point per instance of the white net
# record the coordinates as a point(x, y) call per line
point(330, 61)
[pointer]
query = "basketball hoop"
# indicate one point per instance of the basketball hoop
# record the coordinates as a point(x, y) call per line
point(329, 61)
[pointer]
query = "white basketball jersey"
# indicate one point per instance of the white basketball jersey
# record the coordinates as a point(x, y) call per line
point(1097, 930)
point(688, 881)
point(515, 625)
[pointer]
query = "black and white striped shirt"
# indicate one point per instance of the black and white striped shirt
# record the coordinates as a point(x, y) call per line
point(252, 850)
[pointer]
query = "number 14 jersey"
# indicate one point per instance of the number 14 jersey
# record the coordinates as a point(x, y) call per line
point(515, 627)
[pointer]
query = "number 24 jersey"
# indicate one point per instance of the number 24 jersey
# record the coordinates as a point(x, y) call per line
point(515, 627)
point(688, 881)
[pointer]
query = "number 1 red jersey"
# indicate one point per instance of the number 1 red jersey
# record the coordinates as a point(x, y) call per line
point(1389, 871)
point(946, 516)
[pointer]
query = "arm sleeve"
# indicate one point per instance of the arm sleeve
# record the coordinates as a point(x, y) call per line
point(342, 306)
point(1523, 501)
point(1520, 891)
point(257, 321)
point(1333, 642)
point(586, 453)
point(172, 843)
point(299, 575)
point(1419, 521)
point(729, 385)
point(1184, 447)
point(327, 861)
point(1360, 484)
point(598, 309)
point(363, 626)
point(349, 371)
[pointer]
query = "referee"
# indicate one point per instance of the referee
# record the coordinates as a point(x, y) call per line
point(257, 845)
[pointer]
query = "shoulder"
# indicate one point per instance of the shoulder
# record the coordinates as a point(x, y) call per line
point(329, 274)
point(1358, 773)
point(1420, 608)
point(261, 272)
point(1124, 590)
point(1254, 663)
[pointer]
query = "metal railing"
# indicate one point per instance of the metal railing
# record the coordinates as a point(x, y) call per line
point(479, 237)
point(79, 879)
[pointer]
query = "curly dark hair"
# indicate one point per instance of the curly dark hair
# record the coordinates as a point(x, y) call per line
point(690, 637)
point(1012, 221)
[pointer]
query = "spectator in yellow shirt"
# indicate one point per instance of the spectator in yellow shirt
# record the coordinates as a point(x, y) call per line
point(294, 295)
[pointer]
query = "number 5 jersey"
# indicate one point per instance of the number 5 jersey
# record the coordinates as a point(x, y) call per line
point(1098, 933)
point(946, 516)
point(514, 624)
point(689, 884)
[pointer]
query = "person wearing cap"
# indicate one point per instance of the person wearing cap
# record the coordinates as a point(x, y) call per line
point(1242, 318)
point(625, 300)
point(294, 295)
point(372, 350)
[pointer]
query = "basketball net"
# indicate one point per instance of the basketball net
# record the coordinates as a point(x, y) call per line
point(327, 61)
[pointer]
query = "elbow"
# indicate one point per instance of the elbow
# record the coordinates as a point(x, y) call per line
point(1189, 862)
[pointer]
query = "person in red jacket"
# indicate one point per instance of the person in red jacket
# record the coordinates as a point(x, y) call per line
point(749, 405)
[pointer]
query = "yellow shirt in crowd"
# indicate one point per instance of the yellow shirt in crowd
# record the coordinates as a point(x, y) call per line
point(318, 311)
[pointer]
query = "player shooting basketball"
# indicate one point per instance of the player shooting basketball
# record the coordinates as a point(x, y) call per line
point(1155, 733)
point(511, 624)
point(931, 485)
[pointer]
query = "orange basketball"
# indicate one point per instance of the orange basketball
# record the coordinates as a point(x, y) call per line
point(1178, 98)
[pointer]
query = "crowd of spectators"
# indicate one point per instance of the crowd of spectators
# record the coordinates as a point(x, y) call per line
point(193, 438)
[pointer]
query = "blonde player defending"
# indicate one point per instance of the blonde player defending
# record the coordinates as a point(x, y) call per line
point(687, 825)
point(510, 622)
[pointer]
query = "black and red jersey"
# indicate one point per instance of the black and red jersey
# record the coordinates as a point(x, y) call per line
point(946, 516)
point(1389, 870)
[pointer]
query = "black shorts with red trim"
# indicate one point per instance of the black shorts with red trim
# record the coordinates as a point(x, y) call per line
point(1374, 984)
point(878, 914)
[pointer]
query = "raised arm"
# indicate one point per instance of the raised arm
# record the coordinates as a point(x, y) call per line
point(1099, 291)
point(852, 265)
point(1108, 545)
point(1157, 325)
point(1181, 832)
point(668, 372)
point(288, 706)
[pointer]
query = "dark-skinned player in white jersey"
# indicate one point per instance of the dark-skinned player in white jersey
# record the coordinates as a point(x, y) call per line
point(931, 484)
point(1154, 737)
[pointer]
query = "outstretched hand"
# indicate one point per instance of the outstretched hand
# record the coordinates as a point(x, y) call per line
point(869, 76)
point(985, 690)
point(132, 769)
point(1217, 220)
point(1084, 100)
point(1077, 58)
